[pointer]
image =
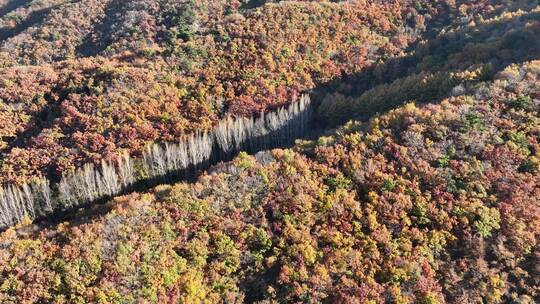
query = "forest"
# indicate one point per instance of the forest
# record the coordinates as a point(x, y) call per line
point(162, 162)
point(261, 151)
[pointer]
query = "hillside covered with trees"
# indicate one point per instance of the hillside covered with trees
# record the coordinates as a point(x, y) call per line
point(415, 176)
point(420, 205)
point(84, 81)
point(80, 87)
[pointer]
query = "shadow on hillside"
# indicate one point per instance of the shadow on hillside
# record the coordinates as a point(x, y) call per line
point(497, 45)
point(13, 5)
point(253, 4)
point(32, 19)
point(99, 37)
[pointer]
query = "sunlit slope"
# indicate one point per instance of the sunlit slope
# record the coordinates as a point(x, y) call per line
point(427, 204)
point(86, 81)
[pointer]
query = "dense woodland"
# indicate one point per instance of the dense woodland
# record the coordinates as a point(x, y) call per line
point(169, 68)
point(160, 162)
point(428, 204)
point(423, 186)
point(85, 81)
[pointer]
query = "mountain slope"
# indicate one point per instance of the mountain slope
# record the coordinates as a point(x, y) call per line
point(424, 186)
point(88, 80)
point(165, 68)
point(428, 204)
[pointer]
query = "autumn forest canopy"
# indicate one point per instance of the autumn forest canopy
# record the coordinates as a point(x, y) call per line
point(266, 151)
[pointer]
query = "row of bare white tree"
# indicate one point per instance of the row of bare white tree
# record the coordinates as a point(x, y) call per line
point(91, 182)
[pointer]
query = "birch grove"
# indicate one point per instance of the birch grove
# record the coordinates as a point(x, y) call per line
point(91, 182)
